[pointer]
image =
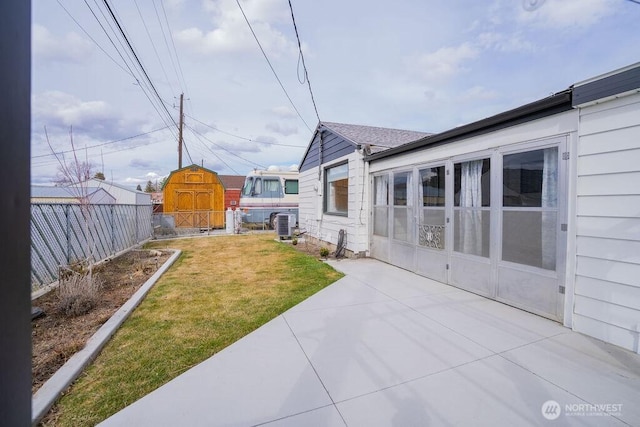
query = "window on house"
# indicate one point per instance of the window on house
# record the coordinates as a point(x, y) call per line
point(530, 207)
point(402, 206)
point(381, 205)
point(336, 196)
point(472, 207)
point(290, 186)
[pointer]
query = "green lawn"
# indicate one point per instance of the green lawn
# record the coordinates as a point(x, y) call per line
point(219, 290)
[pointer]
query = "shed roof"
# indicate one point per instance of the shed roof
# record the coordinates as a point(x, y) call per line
point(43, 191)
point(232, 182)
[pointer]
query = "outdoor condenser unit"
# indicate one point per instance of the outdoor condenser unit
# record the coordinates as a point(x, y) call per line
point(285, 224)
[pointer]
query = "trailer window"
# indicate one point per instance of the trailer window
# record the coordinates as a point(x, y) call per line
point(290, 186)
point(246, 190)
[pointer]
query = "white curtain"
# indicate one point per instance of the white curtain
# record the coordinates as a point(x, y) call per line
point(549, 200)
point(471, 197)
point(382, 190)
point(410, 189)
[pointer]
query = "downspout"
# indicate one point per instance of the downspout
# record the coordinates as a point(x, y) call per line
point(320, 191)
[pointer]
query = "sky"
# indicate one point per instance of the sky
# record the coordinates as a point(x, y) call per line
point(420, 65)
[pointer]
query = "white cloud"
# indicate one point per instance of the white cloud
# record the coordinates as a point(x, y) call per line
point(501, 42)
point(48, 47)
point(284, 112)
point(95, 120)
point(477, 93)
point(282, 129)
point(563, 14)
point(230, 32)
point(444, 63)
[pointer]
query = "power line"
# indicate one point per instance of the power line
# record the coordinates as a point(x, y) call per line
point(175, 51)
point(144, 71)
point(304, 66)
point(104, 143)
point(123, 59)
point(153, 45)
point(271, 66)
point(222, 148)
point(242, 137)
point(93, 40)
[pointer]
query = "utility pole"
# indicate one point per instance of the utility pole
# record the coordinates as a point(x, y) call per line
point(180, 133)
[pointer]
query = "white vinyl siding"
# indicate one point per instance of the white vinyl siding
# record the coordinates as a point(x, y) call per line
point(607, 288)
point(326, 227)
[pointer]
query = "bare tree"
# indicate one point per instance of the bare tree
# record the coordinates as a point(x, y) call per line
point(75, 176)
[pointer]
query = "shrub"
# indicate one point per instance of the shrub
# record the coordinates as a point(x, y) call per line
point(294, 241)
point(324, 252)
point(78, 293)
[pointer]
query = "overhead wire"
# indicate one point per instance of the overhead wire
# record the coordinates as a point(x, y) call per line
point(223, 148)
point(175, 51)
point(144, 71)
point(138, 79)
point(242, 137)
point(271, 66)
point(304, 66)
point(94, 40)
point(153, 45)
point(104, 143)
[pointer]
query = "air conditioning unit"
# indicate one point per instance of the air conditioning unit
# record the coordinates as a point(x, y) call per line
point(285, 224)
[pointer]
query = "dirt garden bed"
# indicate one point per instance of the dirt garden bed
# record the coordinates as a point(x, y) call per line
point(56, 337)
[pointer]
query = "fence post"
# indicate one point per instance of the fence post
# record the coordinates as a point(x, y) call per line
point(67, 233)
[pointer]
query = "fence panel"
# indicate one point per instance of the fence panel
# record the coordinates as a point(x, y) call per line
point(61, 236)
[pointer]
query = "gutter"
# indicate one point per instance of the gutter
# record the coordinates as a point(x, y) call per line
point(554, 104)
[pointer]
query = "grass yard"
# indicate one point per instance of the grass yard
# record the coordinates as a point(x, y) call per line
point(219, 290)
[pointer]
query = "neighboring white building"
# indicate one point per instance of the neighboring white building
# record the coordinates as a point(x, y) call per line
point(333, 178)
point(123, 195)
point(537, 207)
point(46, 194)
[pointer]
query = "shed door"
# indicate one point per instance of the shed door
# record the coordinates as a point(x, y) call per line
point(184, 208)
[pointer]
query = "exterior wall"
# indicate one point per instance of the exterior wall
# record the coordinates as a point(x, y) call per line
point(232, 198)
point(607, 233)
point(325, 227)
point(334, 147)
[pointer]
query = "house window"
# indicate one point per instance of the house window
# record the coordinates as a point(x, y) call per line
point(336, 199)
point(472, 207)
point(290, 186)
point(381, 205)
point(530, 207)
point(402, 206)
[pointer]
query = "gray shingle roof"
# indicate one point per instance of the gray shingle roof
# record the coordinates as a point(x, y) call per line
point(377, 137)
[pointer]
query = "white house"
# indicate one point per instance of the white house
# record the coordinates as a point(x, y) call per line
point(334, 177)
point(537, 207)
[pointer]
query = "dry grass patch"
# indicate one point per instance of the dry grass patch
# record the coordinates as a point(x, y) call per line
point(219, 290)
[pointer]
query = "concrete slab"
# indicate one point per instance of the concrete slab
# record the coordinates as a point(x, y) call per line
point(364, 348)
point(345, 292)
point(491, 324)
point(593, 370)
point(322, 417)
point(392, 281)
point(488, 392)
point(263, 377)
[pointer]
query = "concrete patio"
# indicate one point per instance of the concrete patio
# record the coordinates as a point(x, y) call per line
point(383, 347)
